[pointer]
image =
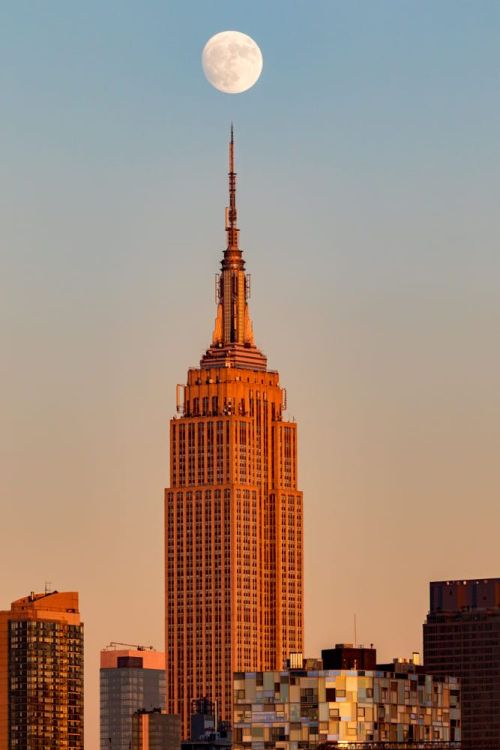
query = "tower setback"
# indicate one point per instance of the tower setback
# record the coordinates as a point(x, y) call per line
point(233, 513)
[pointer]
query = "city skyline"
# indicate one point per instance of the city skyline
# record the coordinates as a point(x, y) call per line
point(371, 160)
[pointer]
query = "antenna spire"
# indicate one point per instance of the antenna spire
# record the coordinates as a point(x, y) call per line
point(231, 212)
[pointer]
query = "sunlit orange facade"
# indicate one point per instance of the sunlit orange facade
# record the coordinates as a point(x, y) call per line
point(233, 513)
point(41, 673)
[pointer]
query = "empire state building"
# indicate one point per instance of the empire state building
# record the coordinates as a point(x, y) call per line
point(233, 513)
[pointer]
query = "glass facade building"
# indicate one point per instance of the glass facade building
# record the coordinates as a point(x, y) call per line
point(130, 680)
point(41, 673)
point(302, 709)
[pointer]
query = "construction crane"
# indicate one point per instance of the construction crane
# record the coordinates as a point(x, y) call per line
point(138, 647)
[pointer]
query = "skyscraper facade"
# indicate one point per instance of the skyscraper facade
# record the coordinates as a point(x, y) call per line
point(233, 513)
point(131, 679)
point(462, 638)
point(41, 673)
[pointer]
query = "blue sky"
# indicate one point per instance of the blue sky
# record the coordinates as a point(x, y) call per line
point(366, 102)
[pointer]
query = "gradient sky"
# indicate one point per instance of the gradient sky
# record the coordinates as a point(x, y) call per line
point(369, 169)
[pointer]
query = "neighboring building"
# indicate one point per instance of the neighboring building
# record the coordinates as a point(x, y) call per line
point(303, 709)
point(348, 656)
point(203, 718)
point(130, 680)
point(462, 638)
point(41, 673)
point(233, 513)
point(155, 730)
point(207, 732)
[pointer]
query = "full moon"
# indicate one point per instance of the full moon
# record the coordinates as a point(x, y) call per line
point(232, 61)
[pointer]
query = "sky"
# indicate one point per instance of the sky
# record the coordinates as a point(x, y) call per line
point(368, 159)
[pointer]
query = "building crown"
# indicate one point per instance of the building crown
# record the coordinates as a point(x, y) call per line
point(232, 340)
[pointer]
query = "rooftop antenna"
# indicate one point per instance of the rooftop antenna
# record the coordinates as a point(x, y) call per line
point(231, 212)
point(48, 587)
point(355, 631)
